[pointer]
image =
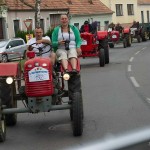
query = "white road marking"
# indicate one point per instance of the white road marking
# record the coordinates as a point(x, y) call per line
point(134, 82)
point(137, 52)
point(131, 59)
point(129, 68)
point(143, 48)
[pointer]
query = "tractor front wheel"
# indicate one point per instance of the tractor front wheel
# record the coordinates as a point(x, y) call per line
point(77, 114)
point(7, 95)
point(2, 124)
point(102, 57)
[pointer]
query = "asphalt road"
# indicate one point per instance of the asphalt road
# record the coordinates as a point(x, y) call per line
point(116, 100)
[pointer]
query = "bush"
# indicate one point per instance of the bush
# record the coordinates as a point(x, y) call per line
point(49, 33)
point(22, 34)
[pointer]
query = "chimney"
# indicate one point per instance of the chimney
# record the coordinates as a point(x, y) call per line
point(90, 1)
point(69, 1)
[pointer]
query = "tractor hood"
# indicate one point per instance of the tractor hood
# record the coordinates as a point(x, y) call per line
point(9, 69)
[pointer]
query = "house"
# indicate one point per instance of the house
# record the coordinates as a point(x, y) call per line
point(127, 11)
point(124, 11)
point(144, 11)
point(14, 13)
point(91, 10)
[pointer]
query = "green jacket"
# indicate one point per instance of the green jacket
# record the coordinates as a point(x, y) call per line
point(55, 37)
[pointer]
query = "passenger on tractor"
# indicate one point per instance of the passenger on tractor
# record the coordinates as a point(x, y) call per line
point(66, 42)
point(135, 25)
point(112, 26)
point(86, 27)
point(41, 41)
point(94, 27)
point(119, 28)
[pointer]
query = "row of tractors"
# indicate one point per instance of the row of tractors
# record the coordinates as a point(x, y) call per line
point(45, 87)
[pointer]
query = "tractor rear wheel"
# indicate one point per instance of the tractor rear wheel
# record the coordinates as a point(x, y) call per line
point(106, 48)
point(139, 39)
point(111, 45)
point(102, 57)
point(129, 40)
point(124, 42)
point(2, 124)
point(77, 114)
point(7, 95)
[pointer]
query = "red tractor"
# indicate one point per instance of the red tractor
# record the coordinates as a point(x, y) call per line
point(96, 45)
point(43, 91)
point(116, 37)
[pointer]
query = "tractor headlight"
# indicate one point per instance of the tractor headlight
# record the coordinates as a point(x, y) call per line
point(9, 80)
point(66, 76)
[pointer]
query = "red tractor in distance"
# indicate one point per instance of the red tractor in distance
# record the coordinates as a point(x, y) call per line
point(43, 91)
point(96, 45)
point(116, 37)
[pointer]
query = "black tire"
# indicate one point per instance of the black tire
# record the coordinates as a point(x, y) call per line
point(139, 39)
point(111, 45)
point(24, 55)
point(77, 114)
point(124, 42)
point(106, 48)
point(144, 36)
point(2, 125)
point(129, 40)
point(7, 95)
point(4, 58)
point(102, 57)
point(74, 85)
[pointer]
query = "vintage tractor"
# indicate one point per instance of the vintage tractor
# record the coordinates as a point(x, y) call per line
point(139, 34)
point(96, 45)
point(43, 91)
point(115, 37)
point(146, 30)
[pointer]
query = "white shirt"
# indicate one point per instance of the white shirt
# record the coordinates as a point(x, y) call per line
point(65, 36)
point(36, 46)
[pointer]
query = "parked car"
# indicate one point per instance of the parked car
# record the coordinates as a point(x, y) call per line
point(12, 49)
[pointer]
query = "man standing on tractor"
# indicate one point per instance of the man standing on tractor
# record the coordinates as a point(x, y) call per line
point(86, 27)
point(112, 26)
point(41, 41)
point(135, 25)
point(119, 28)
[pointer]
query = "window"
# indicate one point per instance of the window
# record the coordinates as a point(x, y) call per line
point(147, 16)
point(106, 24)
point(130, 9)
point(119, 10)
point(98, 26)
point(18, 42)
point(16, 26)
point(54, 20)
point(142, 16)
point(77, 25)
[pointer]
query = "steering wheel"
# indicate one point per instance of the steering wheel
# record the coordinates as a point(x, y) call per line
point(40, 48)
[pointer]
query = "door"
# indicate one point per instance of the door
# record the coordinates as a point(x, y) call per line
point(54, 20)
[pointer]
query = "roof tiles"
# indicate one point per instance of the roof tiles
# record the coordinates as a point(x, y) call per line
point(76, 7)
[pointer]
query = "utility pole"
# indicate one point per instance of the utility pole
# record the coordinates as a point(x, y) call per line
point(37, 13)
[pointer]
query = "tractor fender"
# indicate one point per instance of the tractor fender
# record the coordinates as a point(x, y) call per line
point(126, 30)
point(102, 35)
point(9, 69)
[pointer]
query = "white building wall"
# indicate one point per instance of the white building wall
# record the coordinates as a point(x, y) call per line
point(23, 16)
point(143, 8)
point(125, 18)
point(91, 18)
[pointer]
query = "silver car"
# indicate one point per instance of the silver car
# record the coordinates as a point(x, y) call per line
point(12, 49)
